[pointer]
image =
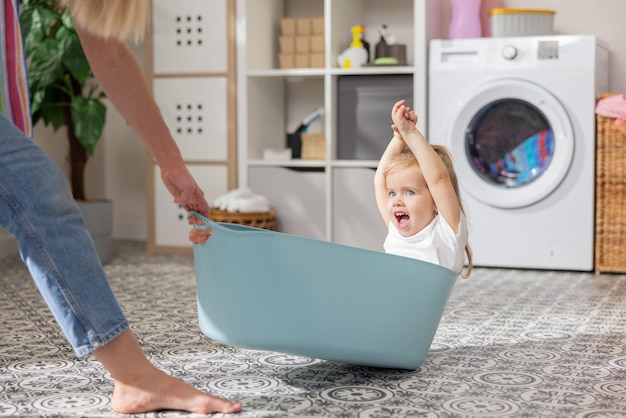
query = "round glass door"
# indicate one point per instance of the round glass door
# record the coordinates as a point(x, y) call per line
point(516, 141)
point(509, 143)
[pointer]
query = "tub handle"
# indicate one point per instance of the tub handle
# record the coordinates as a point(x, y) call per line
point(203, 218)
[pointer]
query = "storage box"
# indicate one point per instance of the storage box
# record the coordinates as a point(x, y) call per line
point(303, 44)
point(288, 26)
point(287, 44)
point(317, 43)
point(287, 60)
point(303, 26)
point(313, 146)
point(610, 246)
point(316, 60)
point(521, 22)
point(302, 61)
point(317, 26)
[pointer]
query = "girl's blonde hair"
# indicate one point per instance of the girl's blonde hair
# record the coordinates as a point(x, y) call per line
point(119, 19)
point(406, 159)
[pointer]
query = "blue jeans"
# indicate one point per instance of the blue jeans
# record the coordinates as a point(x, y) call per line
point(37, 208)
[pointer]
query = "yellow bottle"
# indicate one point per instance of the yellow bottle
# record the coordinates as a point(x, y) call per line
point(356, 55)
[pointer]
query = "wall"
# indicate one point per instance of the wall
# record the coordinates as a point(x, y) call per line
point(121, 156)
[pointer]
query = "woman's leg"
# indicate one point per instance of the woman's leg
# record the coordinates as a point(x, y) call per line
point(37, 208)
point(141, 387)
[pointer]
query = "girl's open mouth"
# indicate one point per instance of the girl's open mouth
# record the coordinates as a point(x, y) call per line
point(402, 219)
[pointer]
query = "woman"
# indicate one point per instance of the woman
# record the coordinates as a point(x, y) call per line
point(37, 208)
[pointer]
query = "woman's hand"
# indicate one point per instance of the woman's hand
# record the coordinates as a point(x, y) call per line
point(183, 187)
point(198, 236)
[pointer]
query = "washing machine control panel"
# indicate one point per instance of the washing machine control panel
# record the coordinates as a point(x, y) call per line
point(509, 52)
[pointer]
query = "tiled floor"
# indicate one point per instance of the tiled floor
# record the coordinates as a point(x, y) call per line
point(512, 343)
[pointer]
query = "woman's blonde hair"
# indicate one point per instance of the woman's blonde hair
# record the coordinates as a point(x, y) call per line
point(120, 19)
point(406, 159)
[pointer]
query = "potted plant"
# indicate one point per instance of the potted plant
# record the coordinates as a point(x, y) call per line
point(64, 93)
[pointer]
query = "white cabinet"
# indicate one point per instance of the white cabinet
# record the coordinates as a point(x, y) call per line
point(331, 198)
point(172, 229)
point(191, 65)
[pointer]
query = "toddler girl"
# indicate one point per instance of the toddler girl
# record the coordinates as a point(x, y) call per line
point(418, 197)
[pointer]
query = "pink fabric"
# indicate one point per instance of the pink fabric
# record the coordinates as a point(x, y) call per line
point(612, 106)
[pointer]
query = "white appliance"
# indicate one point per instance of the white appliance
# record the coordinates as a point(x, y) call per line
point(518, 116)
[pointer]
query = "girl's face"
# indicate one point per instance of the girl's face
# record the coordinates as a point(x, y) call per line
point(410, 203)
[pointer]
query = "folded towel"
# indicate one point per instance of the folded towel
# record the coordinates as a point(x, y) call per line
point(612, 106)
point(241, 200)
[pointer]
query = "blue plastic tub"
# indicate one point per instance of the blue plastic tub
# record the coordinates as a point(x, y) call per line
point(266, 290)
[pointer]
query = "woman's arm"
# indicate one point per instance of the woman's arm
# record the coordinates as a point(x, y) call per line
point(123, 81)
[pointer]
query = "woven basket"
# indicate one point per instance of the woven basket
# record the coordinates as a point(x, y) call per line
point(265, 220)
point(610, 246)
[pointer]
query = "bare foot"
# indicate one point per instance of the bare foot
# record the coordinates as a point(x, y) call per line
point(163, 392)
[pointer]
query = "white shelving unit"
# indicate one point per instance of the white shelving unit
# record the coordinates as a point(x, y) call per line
point(190, 63)
point(330, 199)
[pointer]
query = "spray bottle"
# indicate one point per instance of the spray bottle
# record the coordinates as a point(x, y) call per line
point(356, 55)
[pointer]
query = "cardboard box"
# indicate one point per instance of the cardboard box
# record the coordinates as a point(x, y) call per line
point(288, 26)
point(303, 44)
point(313, 146)
point(287, 44)
point(317, 43)
point(316, 60)
point(303, 26)
point(317, 26)
point(287, 60)
point(302, 60)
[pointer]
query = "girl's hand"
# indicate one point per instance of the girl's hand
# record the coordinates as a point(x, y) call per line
point(403, 117)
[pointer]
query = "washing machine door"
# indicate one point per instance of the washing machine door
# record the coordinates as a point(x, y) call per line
point(516, 141)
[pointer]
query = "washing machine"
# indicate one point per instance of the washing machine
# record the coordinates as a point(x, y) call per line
point(518, 117)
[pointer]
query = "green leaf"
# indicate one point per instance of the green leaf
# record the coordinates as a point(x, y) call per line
point(36, 22)
point(54, 108)
point(66, 18)
point(89, 116)
point(74, 58)
point(46, 64)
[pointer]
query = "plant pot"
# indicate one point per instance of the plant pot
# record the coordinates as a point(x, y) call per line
point(98, 216)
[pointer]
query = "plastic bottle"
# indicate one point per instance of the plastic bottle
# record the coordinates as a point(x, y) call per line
point(464, 19)
point(380, 50)
point(366, 44)
point(356, 53)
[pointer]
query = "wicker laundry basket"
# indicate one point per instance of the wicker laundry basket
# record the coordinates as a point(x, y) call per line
point(265, 220)
point(610, 245)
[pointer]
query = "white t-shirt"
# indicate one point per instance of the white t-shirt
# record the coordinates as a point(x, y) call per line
point(436, 243)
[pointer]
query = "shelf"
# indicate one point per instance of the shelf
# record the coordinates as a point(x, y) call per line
point(320, 72)
point(330, 198)
point(314, 163)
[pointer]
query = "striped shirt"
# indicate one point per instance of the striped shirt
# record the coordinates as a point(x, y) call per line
point(14, 96)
